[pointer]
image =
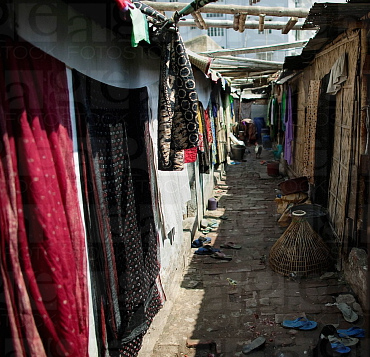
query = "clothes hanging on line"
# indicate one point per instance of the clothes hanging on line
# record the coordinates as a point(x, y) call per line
point(122, 241)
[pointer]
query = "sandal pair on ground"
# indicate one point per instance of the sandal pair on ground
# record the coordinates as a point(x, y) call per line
point(216, 253)
point(200, 242)
point(331, 344)
point(212, 252)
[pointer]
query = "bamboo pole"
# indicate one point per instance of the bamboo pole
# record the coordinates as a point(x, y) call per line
point(237, 51)
point(242, 19)
point(250, 60)
point(273, 25)
point(292, 21)
point(199, 20)
point(236, 22)
point(261, 22)
point(234, 9)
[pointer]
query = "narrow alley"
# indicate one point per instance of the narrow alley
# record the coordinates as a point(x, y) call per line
point(223, 305)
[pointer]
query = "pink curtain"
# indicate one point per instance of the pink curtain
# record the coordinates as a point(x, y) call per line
point(43, 261)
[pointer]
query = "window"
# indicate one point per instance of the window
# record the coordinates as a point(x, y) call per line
point(215, 31)
point(266, 56)
point(215, 15)
point(193, 27)
point(265, 32)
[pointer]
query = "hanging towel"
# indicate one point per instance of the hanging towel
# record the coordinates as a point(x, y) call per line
point(140, 31)
point(338, 75)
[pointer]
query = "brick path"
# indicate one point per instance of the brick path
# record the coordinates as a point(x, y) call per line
point(212, 317)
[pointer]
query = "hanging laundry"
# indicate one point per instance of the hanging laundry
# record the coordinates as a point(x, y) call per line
point(140, 30)
point(283, 112)
point(119, 218)
point(124, 5)
point(289, 133)
point(338, 75)
point(43, 254)
point(205, 140)
point(178, 99)
point(190, 155)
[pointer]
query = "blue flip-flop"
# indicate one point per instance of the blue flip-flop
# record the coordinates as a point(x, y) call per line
point(352, 331)
point(206, 250)
point(196, 243)
point(309, 325)
point(301, 323)
point(340, 348)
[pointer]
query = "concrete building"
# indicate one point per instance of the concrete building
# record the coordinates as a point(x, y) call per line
point(229, 38)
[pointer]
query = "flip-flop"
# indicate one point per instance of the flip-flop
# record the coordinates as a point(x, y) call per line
point(196, 243)
point(309, 325)
point(205, 240)
point(340, 348)
point(348, 314)
point(230, 245)
point(222, 256)
point(352, 331)
point(255, 344)
point(301, 323)
point(206, 250)
point(346, 341)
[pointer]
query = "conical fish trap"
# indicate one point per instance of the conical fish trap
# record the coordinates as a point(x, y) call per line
point(300, 250)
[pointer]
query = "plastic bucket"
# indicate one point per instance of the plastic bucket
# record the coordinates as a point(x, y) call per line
point(237, 152)
point(212, 204)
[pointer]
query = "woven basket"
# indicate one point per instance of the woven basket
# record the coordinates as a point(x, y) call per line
point(300, 251)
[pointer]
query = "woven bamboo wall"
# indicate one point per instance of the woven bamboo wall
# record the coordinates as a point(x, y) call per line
point(306, 85)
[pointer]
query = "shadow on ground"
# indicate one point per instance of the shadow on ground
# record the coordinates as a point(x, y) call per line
point(224, 305)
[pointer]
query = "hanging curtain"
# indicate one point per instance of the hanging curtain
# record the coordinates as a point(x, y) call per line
point(43, 257)
point(120, 226)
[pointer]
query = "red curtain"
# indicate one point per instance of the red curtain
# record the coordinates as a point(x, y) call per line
point(43, 260)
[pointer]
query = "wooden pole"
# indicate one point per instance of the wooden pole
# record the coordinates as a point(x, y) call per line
point(273, 25)
point(242, 19)
point(236, 22)
point(261, 23)
point(234, 9)
point(292, 21)
point(199, 20)
point(238, 51)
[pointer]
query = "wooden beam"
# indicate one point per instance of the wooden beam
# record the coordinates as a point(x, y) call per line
point(236, 22)
point(261, 23)
point(290, 24)
point(199, 21)
point(242, 18)
point(273, 25)
point(238, 51)
point(234, 9)
point(248, 60)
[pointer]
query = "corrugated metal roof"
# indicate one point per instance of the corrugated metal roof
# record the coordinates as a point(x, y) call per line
point(333, 19)
point(335, 14)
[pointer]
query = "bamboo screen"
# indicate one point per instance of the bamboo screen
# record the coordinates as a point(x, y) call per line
point(307, 86)
point(340, 172)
